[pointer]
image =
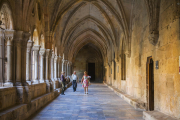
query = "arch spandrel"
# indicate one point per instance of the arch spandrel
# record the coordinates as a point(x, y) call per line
point(42, 41)
point(36, 37)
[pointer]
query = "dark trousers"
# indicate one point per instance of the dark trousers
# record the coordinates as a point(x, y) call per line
point(74, 85)
point(63, 87)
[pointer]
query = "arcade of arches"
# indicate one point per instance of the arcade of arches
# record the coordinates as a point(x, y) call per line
point(131, 46)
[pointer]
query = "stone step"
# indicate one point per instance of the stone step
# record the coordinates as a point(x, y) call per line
point(156, 115)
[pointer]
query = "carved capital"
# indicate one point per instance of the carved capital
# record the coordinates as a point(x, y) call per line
point(26, 36)
point(36, 48)
point(42, 52)
point(52, 55)
point(28, 50)
point(70, 63)
point(128, 53)
point(18, 36)
point(55, 58)
point(9, 33)
point(59, 58)
point(63, 61)
point(48, 53)
point(29, 44)
point(116, 60)
point(9, 38)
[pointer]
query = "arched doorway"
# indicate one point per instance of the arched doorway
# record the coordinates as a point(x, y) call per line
point(150, 83)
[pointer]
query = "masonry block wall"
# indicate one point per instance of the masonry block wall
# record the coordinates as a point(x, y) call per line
point(166, 52)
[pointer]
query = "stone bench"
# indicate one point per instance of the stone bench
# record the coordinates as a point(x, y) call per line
point(137, 104)
point(23, 111)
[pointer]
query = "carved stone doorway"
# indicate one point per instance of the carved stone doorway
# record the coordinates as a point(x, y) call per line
point(150, 83)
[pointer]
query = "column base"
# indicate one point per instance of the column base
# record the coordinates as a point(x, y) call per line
point(18, 84)
point(54, 84)
point(8, 84)
point(47, 81)
point(29, 82)
point(25, 84)
point(41, 81)
point(35, 81)
point(48, 86)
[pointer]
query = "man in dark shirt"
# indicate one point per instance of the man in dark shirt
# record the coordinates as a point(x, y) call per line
point(63, 79)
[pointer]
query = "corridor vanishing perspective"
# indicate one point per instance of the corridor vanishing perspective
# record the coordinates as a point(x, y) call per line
point(131, 46)
point(101, 103)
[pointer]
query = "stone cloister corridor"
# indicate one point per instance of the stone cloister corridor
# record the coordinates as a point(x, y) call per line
point(101, 103)
point(130, 48)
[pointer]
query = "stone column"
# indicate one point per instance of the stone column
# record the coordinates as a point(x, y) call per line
point(65, 63)
point(9, 37)
point(67, 68)
point(28, 61)
point(18, 44)
point(52, 67)
point(55, 67)
point(36, 53)
point(59, 67)
point(1, 56)
point(42, 53)
point(62, 69)
point(47, 70)
point(70, 68)
point(47, 66)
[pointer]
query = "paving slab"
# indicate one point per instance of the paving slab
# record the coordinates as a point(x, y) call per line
point(100, 103)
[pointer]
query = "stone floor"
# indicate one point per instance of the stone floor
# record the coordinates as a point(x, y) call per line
point(100, 104)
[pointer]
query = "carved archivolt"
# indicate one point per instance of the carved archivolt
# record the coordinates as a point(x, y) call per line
point(153, 8)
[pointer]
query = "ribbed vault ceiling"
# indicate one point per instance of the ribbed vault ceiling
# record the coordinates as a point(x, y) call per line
point(101, 23)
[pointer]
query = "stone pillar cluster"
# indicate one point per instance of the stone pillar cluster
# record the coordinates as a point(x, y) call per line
point(28, 64)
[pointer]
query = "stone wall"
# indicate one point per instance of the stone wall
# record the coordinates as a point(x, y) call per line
point(166, 52)
point(8, 97)
point(23, 111)
point(38, 90)
point(88, 55)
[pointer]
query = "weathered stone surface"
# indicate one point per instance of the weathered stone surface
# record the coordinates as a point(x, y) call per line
point(23, 111)
point(119, 36)
point(156, 115)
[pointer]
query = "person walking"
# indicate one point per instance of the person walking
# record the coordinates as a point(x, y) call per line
point(75, 80)
point(85, 82)
point(63, 79)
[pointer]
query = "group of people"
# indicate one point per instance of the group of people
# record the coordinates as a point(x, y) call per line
point(85, 81)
